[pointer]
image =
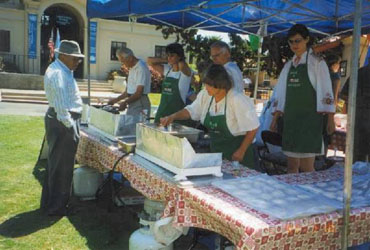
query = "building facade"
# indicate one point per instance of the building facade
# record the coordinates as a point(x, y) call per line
point(27, 25)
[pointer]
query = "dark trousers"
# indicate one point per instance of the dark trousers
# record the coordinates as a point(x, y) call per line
point(63, 144)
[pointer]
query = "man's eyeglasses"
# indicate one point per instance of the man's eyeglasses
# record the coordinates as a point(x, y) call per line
point(216, 55)
point(296, 41)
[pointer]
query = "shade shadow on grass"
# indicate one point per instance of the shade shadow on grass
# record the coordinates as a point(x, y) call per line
point(26, 223)
point(102, 228)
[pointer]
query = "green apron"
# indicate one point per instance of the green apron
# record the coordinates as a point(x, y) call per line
point(171, 100)
point(302, 124)
point(223, 141)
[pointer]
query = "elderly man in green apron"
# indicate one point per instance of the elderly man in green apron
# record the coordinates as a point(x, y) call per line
point(229, 116)
point(176, 82)
point(304, 94)
point(135, 98)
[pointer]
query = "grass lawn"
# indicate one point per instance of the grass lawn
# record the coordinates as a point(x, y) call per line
point(22, 226)
point(155, 98)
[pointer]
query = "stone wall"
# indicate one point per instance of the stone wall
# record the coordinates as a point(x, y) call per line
point(21, 81)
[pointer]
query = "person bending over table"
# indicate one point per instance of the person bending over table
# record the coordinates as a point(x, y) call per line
point(135, 97)
point(176, 82)
point(228, 115)
point(304, 94)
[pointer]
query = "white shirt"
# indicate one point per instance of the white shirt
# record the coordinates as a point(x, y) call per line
point(184, 83)
point(240, 112)
point(319, 76)
point(62, 92)
point(235, 75)
point(139, 75)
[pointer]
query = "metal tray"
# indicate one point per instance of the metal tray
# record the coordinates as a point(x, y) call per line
point(170, 150)
point(177, 130)
point(127, 143)
point(114, 125)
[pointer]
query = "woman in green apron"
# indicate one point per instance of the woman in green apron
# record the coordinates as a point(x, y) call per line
point(304, 94)
point(176, 83)
point(229, 116)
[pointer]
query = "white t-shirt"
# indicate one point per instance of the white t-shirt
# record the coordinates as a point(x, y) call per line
point(184, 83)
point(241, 115)
point(139, 75)
point(235, 75)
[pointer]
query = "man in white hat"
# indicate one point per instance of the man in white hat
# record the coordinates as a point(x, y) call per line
point(62, 127)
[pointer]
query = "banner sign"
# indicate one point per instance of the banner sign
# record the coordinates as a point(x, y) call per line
point(93, 28)
point(32, 36)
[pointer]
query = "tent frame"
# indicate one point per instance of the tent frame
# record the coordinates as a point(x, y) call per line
point(240, 27)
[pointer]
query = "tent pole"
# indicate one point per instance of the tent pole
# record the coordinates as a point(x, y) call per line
point(258, 69)
point(347, 190)
point(88, 62)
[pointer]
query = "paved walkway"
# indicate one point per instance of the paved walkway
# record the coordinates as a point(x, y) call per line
point(8, 108)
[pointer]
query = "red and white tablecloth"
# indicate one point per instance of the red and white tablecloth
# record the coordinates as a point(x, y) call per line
point(210, 208)
point(101, 155)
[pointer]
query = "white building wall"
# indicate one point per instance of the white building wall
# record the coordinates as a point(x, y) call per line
point(13, 20)
point(141, 38)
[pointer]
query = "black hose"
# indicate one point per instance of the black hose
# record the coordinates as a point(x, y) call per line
point(109, 181)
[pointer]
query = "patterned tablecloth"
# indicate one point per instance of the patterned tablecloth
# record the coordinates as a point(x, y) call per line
point(210, 208)
point(101, 155)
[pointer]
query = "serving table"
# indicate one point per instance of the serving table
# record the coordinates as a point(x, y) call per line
point(208, 207)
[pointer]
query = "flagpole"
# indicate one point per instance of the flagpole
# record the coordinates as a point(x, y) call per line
point(347, 189)
point(88, 61)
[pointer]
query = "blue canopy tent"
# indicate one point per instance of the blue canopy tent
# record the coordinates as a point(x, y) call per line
point(327, 17)
point(261, 17)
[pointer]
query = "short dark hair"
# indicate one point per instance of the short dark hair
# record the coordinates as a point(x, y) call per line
point(217, 77)
point(298, 29)
point(221, 45)
point(332, 59)
point(177, 49)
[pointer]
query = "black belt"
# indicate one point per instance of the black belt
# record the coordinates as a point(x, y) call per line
point(74, 115)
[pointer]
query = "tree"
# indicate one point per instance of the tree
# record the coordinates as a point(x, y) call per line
point(198, 46)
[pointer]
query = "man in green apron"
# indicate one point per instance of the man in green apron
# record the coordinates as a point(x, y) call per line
point(171, 101)
point(304, 94)
point(176, 83)
point(302, 124)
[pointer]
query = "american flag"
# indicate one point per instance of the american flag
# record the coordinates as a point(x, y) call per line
point(51, 45)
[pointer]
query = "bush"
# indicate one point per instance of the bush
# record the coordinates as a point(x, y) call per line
point(115, 72)
point(8, 66)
